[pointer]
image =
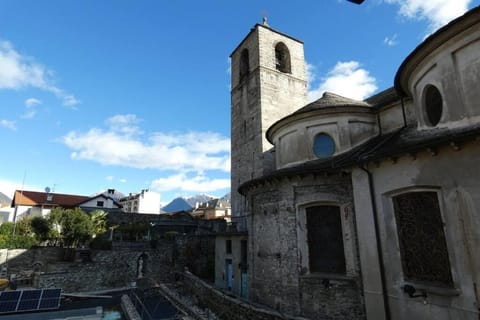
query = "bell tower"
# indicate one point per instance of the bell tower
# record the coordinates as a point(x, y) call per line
point(268, 83)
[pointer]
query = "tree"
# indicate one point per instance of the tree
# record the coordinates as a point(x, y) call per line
point(41, 227)
point(76, 227)
point(72, 226)
point(99, 221)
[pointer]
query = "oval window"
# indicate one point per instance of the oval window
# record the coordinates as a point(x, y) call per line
point(323, 145)
point(433, 105)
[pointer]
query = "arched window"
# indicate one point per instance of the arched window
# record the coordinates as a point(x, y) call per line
point(282, 58)
point(325, 239)
point(433, 105)
point(244, 64)
point(421, 236)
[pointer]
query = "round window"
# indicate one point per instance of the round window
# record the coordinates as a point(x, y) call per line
point(433, 105)
point(323, 145)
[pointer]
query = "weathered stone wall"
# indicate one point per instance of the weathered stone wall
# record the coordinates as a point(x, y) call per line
point(225, 306)
point(278, 249)
point(108, 269)
point(23, 259)
point(197, 253)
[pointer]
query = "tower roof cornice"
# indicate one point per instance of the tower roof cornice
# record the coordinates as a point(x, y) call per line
point(258, 25)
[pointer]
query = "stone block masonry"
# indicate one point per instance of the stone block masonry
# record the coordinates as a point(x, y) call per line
point(226, 306)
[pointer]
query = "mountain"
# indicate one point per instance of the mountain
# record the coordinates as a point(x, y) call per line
point(226, 197)
point(4, 200)
point(177, 204)
point(199, 198)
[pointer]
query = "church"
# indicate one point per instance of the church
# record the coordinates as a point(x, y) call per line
point(349, 209)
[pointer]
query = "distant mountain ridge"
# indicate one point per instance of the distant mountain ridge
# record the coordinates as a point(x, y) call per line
point(187, 204)
point(4, 199)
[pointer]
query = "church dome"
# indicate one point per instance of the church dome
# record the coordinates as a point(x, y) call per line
point(329, 100)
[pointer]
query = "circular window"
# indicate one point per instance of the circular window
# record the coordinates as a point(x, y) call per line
point(433, 105)
point(323, 145)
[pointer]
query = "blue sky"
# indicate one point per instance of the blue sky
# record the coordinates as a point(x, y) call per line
point(135, 94)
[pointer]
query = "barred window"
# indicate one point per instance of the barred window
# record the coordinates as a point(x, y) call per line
point(325, 239)
point(423, 247)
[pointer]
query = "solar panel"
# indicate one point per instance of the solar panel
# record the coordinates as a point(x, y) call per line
point(10, 295)
point(51, 293)
point(29, 300)
point(8, 306)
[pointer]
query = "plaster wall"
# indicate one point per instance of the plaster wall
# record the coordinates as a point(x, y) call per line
point(454, 175)
point(453, 68)
point(221, 256)
point(294, 142)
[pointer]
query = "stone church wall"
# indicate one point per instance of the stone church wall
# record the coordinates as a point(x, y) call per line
point(279, 271)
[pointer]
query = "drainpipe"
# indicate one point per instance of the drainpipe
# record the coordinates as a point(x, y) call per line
point(386, 305)
point(371, 187)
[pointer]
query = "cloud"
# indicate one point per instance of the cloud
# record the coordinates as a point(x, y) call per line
point(391, 41)
point(181, 181)
point(437, 12)
point(347, 79)
point(123, 180)
point(8, 187)
point(8, 124)
point(311, 72)
point(109, 178)
point(31, 102)
point(123, 144)
point(18, 72)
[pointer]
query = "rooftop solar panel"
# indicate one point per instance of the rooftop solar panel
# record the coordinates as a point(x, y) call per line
point(8, 306)
point(10, 295)
point(29, 300)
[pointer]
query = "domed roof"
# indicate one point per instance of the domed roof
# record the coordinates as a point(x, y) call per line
point(329, 100)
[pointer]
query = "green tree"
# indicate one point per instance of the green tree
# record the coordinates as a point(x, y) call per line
point(41, 228)
point(76, 227)
point(99, 221)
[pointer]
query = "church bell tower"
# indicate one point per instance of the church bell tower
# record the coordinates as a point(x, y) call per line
point(268, 83)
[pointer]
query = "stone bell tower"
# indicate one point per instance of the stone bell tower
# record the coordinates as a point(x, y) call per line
point(268, 83)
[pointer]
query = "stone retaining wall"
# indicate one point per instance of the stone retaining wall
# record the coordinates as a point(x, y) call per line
point(228, 307)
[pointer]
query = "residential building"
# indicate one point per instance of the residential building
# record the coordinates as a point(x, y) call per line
point(33, 203)
point(213, 209)
point(144, 202)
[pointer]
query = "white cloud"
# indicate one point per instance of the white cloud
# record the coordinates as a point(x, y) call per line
point(109, 178)
point(31, 102)
point(181, 181)
point(191, 151)
point(17, 72)
point(347, 79)
point(124, 123)
point(391, 41)
point(8, 187)
point(123, 180)
point(311, 72)
point(8, 124)
point(437, 12)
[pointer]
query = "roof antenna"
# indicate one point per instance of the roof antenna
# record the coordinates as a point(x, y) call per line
point(264, 20)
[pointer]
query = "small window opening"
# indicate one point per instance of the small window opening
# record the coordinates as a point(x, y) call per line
point(99, 203)
point(282, 58)
point(433, 105)
point(244, 64)
point(228, 244)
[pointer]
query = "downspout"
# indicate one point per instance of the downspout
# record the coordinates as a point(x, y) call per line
point(379, 246)
point(371, 187)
